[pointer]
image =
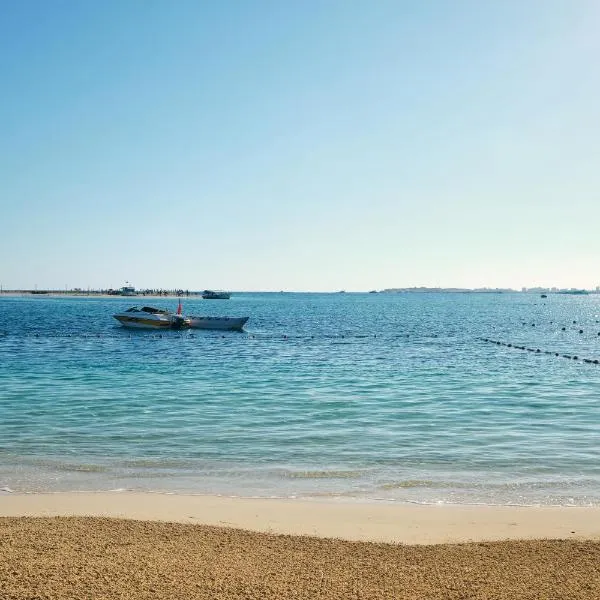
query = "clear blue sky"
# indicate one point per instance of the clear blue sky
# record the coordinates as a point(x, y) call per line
point(273, 145)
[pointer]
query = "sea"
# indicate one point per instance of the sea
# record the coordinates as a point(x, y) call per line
point(427, 398)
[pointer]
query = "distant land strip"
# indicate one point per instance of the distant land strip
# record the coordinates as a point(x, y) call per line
point(406, 290)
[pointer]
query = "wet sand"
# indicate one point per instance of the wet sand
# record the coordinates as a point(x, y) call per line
point(164, 555)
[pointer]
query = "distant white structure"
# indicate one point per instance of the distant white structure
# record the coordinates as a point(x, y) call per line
point(128, 290)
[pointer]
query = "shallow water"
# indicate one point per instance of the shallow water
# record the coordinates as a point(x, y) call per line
point(357, 396)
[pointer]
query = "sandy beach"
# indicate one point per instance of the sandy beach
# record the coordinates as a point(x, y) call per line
point(126, 545)
point(369, 521)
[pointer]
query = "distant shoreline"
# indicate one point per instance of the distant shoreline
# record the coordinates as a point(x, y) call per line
point(193, 294)
point(92, 294)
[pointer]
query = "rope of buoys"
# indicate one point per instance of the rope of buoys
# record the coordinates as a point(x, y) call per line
point(562, 328)
point(593, 361)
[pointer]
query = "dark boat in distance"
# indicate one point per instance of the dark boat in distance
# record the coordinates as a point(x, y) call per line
point(212, 295)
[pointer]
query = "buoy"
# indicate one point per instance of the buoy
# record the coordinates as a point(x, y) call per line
point(581, 331)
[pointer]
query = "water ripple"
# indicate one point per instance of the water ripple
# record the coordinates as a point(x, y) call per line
point(390, 396)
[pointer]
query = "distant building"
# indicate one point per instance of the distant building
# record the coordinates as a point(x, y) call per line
point(128, 290)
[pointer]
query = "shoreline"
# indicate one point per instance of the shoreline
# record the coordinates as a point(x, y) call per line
point(54, 295)
point(373, 522)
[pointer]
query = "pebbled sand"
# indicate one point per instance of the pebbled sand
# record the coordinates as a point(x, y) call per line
point(152, 550)
point(77, 558)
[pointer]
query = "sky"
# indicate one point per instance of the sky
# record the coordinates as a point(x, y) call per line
point(301, 146)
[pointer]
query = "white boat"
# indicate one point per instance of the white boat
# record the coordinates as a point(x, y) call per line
point(211, 295)
point(151, 318)
point(221, 323)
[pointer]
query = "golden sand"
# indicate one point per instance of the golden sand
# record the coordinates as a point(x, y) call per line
point(103, 558)
point(373, 522)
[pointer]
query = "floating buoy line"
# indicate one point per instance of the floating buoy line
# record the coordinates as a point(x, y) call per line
point(593, 361)
point(206, 335)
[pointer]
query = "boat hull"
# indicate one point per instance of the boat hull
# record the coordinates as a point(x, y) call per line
point(218, 323)
point(210, 295)
point(141, 323)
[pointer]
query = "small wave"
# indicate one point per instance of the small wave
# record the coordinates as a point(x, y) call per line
point(143, 475)
point(412, 483)
point(322, 474)
point(152, 463)
point(81, 468)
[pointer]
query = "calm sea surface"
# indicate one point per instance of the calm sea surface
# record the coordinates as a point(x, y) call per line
point(356, 396)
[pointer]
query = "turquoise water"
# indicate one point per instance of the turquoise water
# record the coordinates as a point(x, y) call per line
point(358, 396)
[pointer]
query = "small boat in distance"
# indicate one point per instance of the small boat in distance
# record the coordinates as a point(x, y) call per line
point(219, 323)
point(212, 295)
point(148, 317)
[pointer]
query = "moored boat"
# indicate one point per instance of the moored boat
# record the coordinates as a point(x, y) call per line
point(148, 317)
point(220, 323)
point(212, 295)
